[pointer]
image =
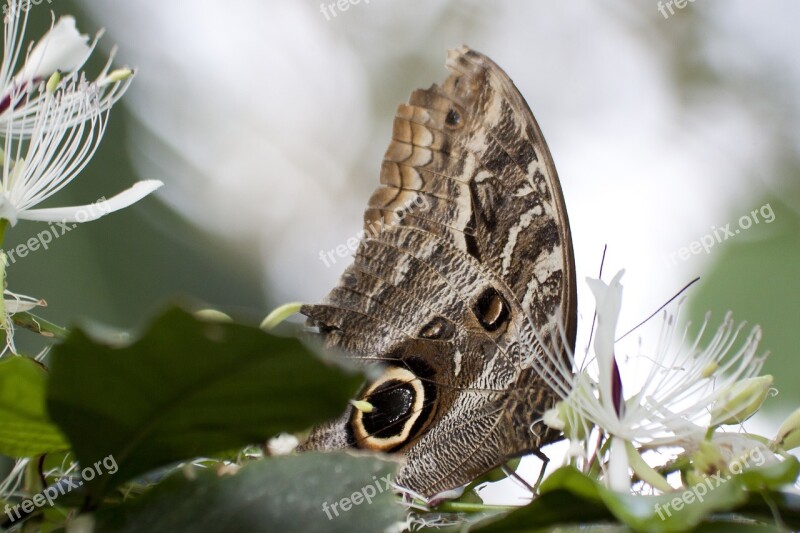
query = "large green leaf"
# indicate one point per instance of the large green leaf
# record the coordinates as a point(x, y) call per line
point(571, 497)
point(186, 388)
point(25, 429)
point(293, 493)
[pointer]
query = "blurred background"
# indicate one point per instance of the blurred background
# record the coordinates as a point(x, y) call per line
point(267, 121)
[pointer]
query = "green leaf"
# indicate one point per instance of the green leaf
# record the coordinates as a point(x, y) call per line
point(761, 505)
point(554, 508)
point(569, 497)
point(676, 511)
point(186, 388)
point(288, 493)
point(729, 526)
point(771, 475)
point(25, 429)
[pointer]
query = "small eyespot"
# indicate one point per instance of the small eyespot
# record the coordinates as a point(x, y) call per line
point(453, 118)
point(491, 309)
point(325, 328)
point(437, 328)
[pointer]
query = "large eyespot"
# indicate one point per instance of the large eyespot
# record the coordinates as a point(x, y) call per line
point(400, 410)
point(491, 309)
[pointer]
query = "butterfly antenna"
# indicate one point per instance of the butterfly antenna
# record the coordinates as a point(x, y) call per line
point(695, 280)
point(594, 317)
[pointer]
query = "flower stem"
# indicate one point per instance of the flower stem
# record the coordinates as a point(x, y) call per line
point(4, 326)
point(39, 325)
point(469, 507)
point(645, 472)
point(596, 466)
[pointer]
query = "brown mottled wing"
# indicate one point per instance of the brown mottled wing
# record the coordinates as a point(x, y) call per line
point(467, 248)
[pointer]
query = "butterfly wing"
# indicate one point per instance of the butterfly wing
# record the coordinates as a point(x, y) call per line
point(466, 249)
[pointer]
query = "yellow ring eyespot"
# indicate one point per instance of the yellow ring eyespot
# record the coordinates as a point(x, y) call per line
point(397, 397)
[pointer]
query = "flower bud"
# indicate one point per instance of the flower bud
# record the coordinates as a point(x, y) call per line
point(212, 315)
point(788, 436)
point(552, 418)
point(706, 461)
point(564, 418)
point(741, 400)
point(280, 314)
point(362, 405)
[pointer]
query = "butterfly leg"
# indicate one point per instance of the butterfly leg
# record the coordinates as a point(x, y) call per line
point(545, 460)
point(509, 472)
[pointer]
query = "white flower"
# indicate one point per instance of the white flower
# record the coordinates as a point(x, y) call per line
point(19, 303)
point(681, 386)
point(38, 165)
point(61, 50)
point(16, 303)
point(283, 444)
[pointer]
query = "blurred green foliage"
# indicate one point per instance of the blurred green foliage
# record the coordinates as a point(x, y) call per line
point(119, 268)
point(755, 275)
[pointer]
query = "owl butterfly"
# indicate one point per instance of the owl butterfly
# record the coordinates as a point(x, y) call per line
point(473, 254)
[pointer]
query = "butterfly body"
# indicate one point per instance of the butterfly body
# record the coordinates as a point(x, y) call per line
point(443, 292)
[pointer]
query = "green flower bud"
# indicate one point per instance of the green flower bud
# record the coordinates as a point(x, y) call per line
point(789, 433)
point(280, 314)
point(552, 418)
point(741, 400)
point(706, 461)
point(564, 418)
point(212, 315)
point(362, 405)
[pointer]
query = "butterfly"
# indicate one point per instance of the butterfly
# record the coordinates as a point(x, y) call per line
point(466, 268)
